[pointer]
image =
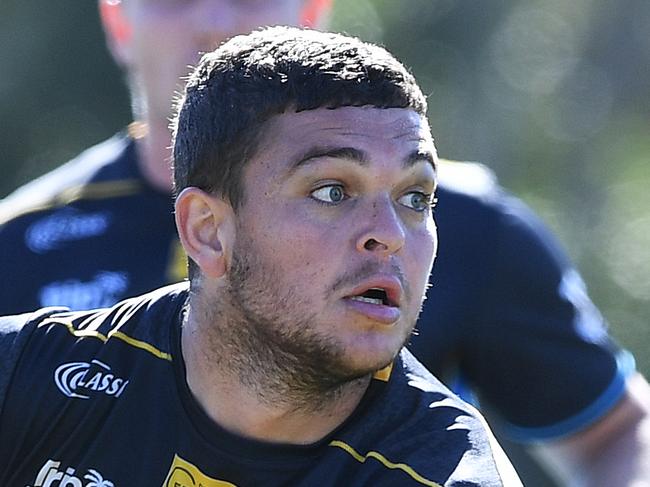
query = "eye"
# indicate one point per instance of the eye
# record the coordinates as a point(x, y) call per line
point(332, 194)
point(416, 200)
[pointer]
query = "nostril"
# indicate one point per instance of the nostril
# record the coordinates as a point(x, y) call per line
point(371, 244)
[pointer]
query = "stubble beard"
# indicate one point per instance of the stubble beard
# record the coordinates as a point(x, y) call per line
point(265, 337)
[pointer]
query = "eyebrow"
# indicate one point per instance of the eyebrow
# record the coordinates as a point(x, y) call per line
point(421, 156)
point(357, 156)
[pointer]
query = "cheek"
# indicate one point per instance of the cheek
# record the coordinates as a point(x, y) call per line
point(296, 239)
point(433, 232)
point(421, 254)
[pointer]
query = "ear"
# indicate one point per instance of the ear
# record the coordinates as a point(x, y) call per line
point(206, 227)
point(117, 29)
point(314, 13)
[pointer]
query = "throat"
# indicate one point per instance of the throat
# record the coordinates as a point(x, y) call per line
point(255, 388)
point(245, 415)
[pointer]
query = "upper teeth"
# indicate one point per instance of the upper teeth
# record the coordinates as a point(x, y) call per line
point(367, 300)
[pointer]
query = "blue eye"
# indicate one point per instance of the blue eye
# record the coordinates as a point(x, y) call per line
point(332, 194)
point(416, 200)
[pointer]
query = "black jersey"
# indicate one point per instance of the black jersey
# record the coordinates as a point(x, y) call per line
point(88, 234)
point(99, 398)
point(507, 312)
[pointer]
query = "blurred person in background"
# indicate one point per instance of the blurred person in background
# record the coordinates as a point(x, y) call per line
point(507, 316)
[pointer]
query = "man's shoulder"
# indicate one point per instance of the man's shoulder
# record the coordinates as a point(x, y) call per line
point(468, 178)
point(417, 422)
point(457, 430)
point(474, 208)
point(15, 329)
point(142, 325)
point(470, 198)
point(413, 378)
point(472, 187)
point(98, 171)
point(142, 322)
point(15, 332)
point(434, 405)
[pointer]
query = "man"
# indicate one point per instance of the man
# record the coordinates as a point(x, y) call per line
point(506, 313)
point(304, 203)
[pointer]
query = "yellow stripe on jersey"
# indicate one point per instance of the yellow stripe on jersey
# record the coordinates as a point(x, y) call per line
point(91, 191)
point(140, 344)
point(384, 461)
point(147, 347)
point(99, 191)
point(383, 374)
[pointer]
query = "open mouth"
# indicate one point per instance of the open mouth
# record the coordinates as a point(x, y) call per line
point(374, 296)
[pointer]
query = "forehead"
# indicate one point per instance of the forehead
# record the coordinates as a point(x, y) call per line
point(374, 130)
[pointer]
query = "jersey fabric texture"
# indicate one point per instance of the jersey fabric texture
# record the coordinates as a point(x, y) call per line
point(101, 396)
point(507, 314)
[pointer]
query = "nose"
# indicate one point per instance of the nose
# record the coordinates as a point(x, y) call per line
point(383, 231)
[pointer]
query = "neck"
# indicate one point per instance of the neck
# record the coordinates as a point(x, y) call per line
point(153, 142)
point(256, 400)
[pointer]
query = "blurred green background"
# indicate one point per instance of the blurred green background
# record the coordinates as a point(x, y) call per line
point(553, 95)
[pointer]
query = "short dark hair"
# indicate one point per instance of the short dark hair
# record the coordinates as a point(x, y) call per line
point(250, 78)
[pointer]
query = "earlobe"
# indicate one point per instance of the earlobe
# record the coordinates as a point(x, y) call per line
point(205, 225)
point(117, 29)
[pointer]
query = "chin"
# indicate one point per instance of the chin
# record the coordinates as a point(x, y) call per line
point(365, 362)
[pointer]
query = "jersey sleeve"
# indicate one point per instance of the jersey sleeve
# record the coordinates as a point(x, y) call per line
point(537, 351)
point(14, 335)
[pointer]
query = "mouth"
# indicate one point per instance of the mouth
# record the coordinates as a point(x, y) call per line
point(378, 299)
point(375, 295)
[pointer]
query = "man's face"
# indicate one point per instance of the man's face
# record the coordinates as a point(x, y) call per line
point(167, 36)
point(335, 237)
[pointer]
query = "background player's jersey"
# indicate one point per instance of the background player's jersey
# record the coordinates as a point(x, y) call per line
point(101, 396)
point(509, 317)
point(87, 235)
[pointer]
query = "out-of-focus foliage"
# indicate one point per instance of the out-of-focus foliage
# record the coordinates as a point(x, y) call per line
point(554, 95)
point(59, 89)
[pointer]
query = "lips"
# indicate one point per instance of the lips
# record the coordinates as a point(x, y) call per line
point(378, 298)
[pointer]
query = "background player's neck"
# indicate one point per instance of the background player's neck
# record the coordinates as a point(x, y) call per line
point(153, 142)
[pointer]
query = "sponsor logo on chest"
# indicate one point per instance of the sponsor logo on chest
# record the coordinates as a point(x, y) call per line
point(105, 289)
point(184, 474)
point(53, 475)
point(85, 379)
point(67, 225)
